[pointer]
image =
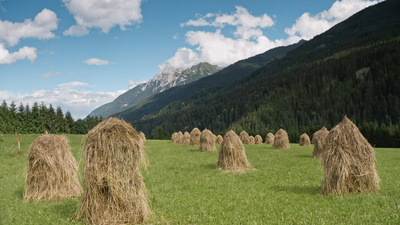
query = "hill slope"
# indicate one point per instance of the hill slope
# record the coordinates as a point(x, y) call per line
point(169, 77)
point(352, 69)
point(223, 78)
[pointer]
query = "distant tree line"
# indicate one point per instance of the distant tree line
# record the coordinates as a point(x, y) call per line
point(39, 118)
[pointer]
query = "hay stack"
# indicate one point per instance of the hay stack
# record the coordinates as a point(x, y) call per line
point(179, 137)
point(174, 138)
point(269, 139)
point(258, 140)
point(195, 137)
point(304, 140)
point(114, 192)
point(219, 139)
point(281, 140)
point(52, 170)
point(142, 136)
point(349, 161)
point(319, 141)
point(186, 138)
point(207, 141)
point(245, 138)
point(252, 141)
point(232, 155)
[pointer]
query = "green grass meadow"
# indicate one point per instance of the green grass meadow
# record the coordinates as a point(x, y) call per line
point(186, 188)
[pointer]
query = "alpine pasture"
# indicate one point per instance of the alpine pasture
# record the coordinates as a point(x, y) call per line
point(185, 187)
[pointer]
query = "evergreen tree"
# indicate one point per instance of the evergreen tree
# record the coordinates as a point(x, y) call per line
point(37, 118)
point(20, 120)
point(4, 117)
point(80, 127)
point(29, 120)
point(13, 118)
point(69, 123)
point(50, 119)
point(60, 122)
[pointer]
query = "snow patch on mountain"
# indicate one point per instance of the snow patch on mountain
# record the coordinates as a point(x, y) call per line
point(163, 80)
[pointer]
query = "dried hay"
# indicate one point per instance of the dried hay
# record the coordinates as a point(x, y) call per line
point(179, 137)
point(207, 141)
point(114, 191)
point(258, 140)
point(186, 138)
point(232, 155)
point(195, 137)
point(348, 161)
point(142, 136)
point(319, 141)
point(252, 141)
point(269, 139)
point(174, 138)
point(219, 139)
point(281, 140)
point(304, 140)
point(245, 138)
point(52, 170)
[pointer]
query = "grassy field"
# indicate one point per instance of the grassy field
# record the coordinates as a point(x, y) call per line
point(186, 188)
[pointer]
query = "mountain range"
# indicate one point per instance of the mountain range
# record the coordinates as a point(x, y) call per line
point(352, 69)
point(167, 78)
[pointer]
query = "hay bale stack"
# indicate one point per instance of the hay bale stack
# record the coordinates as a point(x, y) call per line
point(319, 141)
point(281, 140)
point(207, 141)
point(304, 140)
point(219, 139)
point(269, 139)
point(179, 137)
point(52, 170)
point(258, 140)
point(349, 161)
point(252, 141)
point(142, 136)
point(245, 138)
point(186, 138)
point(114, 191)
point(195, 137)
point(232, 155)
point(174, 138)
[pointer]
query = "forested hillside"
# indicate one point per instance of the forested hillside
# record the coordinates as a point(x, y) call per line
point(223, 78)
point(353, 69)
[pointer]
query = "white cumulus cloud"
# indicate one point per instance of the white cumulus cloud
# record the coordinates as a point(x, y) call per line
point(218, 49)
point(96, 62)
point(307, 26)
point(40, 28)
point(73, 84)
point(132, 83)
point(69, 96)
point(247, 25)
point(103, 14)
point(23, 53)
point(11, 33)
point(76, 30)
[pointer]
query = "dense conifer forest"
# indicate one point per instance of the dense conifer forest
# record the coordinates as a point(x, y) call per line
point(39, 118)
point(363, 84)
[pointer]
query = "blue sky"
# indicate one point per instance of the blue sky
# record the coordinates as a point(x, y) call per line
point(80, 54)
